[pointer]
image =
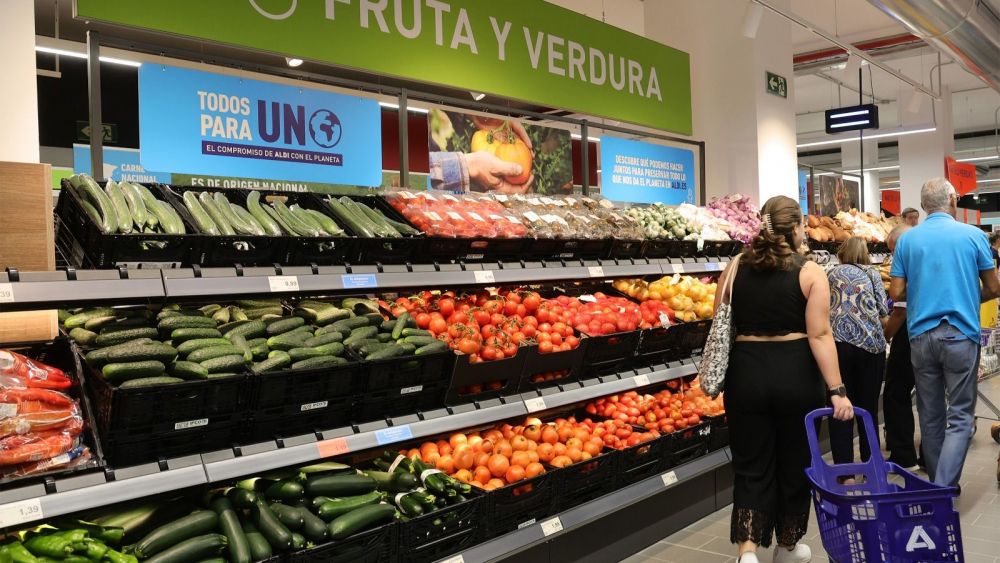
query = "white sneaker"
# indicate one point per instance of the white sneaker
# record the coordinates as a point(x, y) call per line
point(799, 554)
point(748, 557)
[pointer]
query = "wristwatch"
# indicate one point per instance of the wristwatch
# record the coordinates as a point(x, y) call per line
point(839, 391)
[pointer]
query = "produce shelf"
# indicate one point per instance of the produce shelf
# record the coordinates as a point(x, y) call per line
point(565, 522)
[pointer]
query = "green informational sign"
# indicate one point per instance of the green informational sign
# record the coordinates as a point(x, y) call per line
point(110, 131)
point(776, 84)
point(525, 49)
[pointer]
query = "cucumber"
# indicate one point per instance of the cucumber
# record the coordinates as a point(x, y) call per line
point(117, 373)
point(360, 334)
point(202, 219)
point(241, 343)
point(184, 334)
point(324, 468)
point(299, 354)
point(293, 221)
point(391, 352)
point(224, 207)
point(136, 206)
point(215, 214)
point(360, 519)
point(288, 516)
point(397, 329)
point(94, 214)
point(183, 321)
point(252, 329)
point(351, 323)
point(141, 352)
point(101, 202)
point(150, 382)
point(241, 498)
point(328, 338)
point(432, 348)
point(288, 341)
point(204, 354)
point(366, 347)
point(231, 363)
point(333, 508)
point(229, 524)
point(256, 228)
point(79, 320)
point(259, 352)
point(98, 356)
point(270, 226)
point(195, 524)
point(285, 325)
point(260, 312)
point(188, 370)
point(273, 214)
point(114, 192)
point(189, 346)
point(346, 217)
point(386, 229)
point(306, 218)
point(319, 362)
point(259, 548)
point(326, 223)
point(339, 485)
point(192, 550)
point(419, 340)
point(85, 337)
point(125, 324)
point(298, 541)
point(285, 490)
point(222, 316)
point(403, 228)
point(169, 222)
point(355, 210)
point(416, 332)
point(270, 527)
point(97, 323)
point(364, 307)
point(277, 361)
point(313, 527)
point(123, 336)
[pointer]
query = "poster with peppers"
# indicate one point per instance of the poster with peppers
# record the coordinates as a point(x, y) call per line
point(477, 153)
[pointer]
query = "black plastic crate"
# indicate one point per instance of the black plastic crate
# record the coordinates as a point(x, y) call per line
point(610, 353)
point(568, 249)
point(307, 399)
point(377, 405)
point(406, 371)
point(371, 546)
point(568, 365)
point(670, 249)
point(379, 250)
point(146, 448)
point(659, 345)
point(713, 248)
point(720, 432)
point(584, 481)
point(625, 248)
point(109, 250)
point(446, 249)
point(642, 461)
point(310, 418)
point(443, 532)
point(485, 380)
point(693, 336)
point(521, 504)
point(689, 444)
point(59, 353)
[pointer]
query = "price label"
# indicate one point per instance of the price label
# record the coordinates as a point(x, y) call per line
point(358, 281)
point(669, 478)
point(587, 299)
point(430, 197)
point(407, 195)
point(550, 218)
point(535, 404)
point(534, 201)
point(432, 216)
point(393, 434)
point(409, 390)
point(283, 283)
point(551, 526)
point(314, 406)
point(484, 276)
point(531, 216)
point(665, 320)
point(570, 201)
point(20, 512)
point(679, 268)
point(476, 216)
point(8, 410)
point(596, 271)
point(455, 559)
point(333, 447)
point(641, 380)
point(191, 424)
point(513, 219)
point(455, 216)
point(450, 197)
point(6, 293)
point(501, 198)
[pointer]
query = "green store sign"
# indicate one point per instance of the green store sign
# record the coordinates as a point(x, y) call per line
point(524, 49)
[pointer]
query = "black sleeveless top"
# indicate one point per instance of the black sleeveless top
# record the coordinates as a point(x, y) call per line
point(768, 302)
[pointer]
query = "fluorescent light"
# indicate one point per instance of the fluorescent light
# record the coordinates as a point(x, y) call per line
point(978, 158)
point(993, 181)
point(577, 137)
point(408, 108)
point(849, 114)
point(875, 169)
point(292, 62)
point(867, 137)
point(850, 123)
point(78, 55)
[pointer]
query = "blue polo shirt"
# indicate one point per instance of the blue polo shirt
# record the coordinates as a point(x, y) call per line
point(940, 261)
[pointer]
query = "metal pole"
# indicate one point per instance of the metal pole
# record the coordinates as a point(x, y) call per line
point(703, 191)
point(404, 140)
point(584, 159)
point(861, 139)
point(94, 91)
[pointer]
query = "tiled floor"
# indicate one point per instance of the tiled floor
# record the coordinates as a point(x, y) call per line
point(707, 541)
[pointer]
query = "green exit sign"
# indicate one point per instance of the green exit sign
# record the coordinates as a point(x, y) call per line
point(776, 84)
point(83, 131)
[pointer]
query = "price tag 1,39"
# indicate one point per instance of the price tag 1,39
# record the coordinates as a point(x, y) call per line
point(6, 293)
point(20, 512)
point(596, 271)
point(669, 478)
point(283, 283)
point(484, 276)
point(454, 559)
point(535, 404)
point(641, 380)
point(551, 526)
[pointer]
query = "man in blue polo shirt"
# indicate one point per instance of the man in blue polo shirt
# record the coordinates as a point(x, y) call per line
point(937, 269)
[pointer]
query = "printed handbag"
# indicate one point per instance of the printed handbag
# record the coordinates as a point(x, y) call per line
point(715, 358)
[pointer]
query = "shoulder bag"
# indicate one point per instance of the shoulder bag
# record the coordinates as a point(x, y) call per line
point(715, 359)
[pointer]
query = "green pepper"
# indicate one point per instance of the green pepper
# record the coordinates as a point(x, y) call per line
point(56, 546)
point(95, 550)
point(112, 556)
point(110, 535)
point(18, 553)
point(67, 559)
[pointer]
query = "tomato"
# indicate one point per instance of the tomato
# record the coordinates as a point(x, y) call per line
point(423, 320)
point(489, 353)
point(556, 338)
point(543, 316)
point(545, 327)
point(532, 301)
point(509, 308)
point(572, 341)
point(510, 350)
point(446, 306)
point(544, 347)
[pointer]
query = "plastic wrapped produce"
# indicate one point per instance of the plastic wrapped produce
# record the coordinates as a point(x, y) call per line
point(17, 371)
point(741, 217)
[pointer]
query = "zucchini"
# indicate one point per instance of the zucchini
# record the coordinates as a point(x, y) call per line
point(84, 337)
point(336, 507)
point(141, 352)
point(273, 214)
point(168, 218)
point(249, 220)
point(347, 217)
point(184, 321)
point(215, 214)
point(194, 550)
point(276, 533)
point(270, 226)
point(298, 541)
point(202, 219)
point(339, 485)
point(328, 338)
point(285, 325)
point(285, 490)
point(278, 360)
point(386, 229)
point(363, 518)
point(306, 218)
point(150, 382)
point(432, 348)
point(225, 208)
point(363, 307)
point(288, 516)
point(102, 203)
point(241, 498)
point(130, 520)
point(184, 334)
point(188, 370)
point(195, 524)
point(293, 221)
point(408, 505)
point(80, 319)
point(252, 329)
point(319, 362)
point(188, 346)
point(324, 468)
point(231, 363)
point(136, 206)
point(120, 205)
point(123, 336)
point(229, 525)
point(204, 354)
point(313, 527)
point(396, 482)
point(259, 548)
point(328, 224)
point(117, 373)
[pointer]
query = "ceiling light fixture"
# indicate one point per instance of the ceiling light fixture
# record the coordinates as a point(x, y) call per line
point(293, 62)
point(388, 105)
point(875, 169)
point(867, 137)
point(576, 136)
point(79, 55)
point(978, 158)
point(477, 95)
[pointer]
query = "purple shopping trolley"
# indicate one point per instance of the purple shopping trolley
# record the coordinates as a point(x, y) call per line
point(875, 520)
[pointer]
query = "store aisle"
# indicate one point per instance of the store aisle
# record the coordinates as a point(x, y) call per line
point(707, 541)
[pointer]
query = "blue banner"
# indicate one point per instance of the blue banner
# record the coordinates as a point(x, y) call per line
point(637, 172)
point(119, 164)
point(205, 123)
point(804, 191)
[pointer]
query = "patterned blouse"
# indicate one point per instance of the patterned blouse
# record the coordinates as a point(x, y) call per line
point(857, 302)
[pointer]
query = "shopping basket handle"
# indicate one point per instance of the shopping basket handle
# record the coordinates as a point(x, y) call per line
point(875, 461)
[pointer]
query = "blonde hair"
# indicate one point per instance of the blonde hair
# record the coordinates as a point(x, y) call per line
point(854, 251)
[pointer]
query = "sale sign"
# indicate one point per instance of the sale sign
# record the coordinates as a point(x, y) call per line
point(962, 175)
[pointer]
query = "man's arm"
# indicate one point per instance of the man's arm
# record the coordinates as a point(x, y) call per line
point(897, 289)
point(897, 318)
point(991, 285)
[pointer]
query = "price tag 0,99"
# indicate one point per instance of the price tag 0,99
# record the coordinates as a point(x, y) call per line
point(596, 271)
point(551, 526)
point(641, 380)
point(669, 478)
point(6, 293)
point(20, 512)
point(484, 276)
point(283, 283)
point(535, 404)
